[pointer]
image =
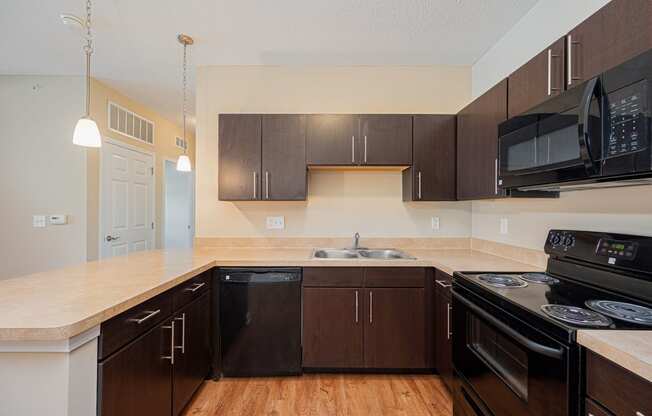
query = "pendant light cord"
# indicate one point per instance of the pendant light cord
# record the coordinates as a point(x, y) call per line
point(88, 49)
point(185, 86)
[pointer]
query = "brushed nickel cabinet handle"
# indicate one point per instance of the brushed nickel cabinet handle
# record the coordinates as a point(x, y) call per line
point(255, 182)
point(171, 356)
point(569, 63)
point(352, 149)
point(357, 305)
point(266, 184)
point(639, 414)
point(443, 284)
point(182, 347)
point(549, 71)
point(150, 314)
point(448, 321)
point(371, 307)
point(365, 149)
point(496, 176)
point(419, 186)
point(196, 287)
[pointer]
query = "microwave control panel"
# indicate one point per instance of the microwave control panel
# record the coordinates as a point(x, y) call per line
point(627, 108)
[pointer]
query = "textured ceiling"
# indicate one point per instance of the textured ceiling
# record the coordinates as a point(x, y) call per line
point(137, 53)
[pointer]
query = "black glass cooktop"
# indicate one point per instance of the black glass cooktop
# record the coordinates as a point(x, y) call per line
point(536, 297)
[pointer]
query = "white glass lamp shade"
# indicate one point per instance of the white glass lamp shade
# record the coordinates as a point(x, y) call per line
point(86, 133)
point(183, 164)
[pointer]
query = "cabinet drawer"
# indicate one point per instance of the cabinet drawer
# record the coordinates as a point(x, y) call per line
point(123, 328)
point(395, 277)
point(594, 409)
point(333, 276)
point(617, 389)
point(190, 290)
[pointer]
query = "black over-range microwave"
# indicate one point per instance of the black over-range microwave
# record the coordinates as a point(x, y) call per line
point(594, 135)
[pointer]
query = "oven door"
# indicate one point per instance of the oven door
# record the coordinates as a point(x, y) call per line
point(560, 143)
point(511, 367)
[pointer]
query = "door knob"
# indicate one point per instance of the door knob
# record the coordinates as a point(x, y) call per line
point(110, 238)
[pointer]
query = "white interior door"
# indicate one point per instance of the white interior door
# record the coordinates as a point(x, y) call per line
point(127, 201)
point(179, 207)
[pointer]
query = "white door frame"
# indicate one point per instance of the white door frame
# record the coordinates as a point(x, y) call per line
point(163, 198)
point(128, 146)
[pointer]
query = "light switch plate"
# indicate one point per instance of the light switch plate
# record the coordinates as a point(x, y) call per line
point(276, 223)
point(59, 219)
point(435, 223)
point(38, 221)
point(504, 226)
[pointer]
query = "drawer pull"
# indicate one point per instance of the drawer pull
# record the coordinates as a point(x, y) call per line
point(196, 287)
point(443, 284)
point(150, 314)
point(639, 414)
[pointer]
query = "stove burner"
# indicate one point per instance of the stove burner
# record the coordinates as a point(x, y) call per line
point(502, 280)
point(624, 311)
point(576, 316)
point(539, 278)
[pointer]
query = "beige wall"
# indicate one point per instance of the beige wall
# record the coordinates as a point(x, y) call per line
point(41, 173)
point(164, 148)
point(339, 203)
point(626, 210)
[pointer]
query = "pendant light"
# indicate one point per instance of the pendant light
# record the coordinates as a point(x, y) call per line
point(86, 132)
point(183, 163)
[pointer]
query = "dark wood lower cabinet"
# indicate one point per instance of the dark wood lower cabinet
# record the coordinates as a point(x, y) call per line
point(137, 380)
point(332, 327)
point(394, 328)
point(192, 351)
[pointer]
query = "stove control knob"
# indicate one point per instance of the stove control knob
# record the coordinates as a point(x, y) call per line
point(555, 239)
point(569, 241)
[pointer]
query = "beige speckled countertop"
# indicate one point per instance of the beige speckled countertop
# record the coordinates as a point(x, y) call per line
point(631, 350)
point(59, 304)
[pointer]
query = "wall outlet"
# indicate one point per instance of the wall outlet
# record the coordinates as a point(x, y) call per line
point(38, 221)
point(435, 223)
point(504, 226)
point(275, 223)
point(58, 219)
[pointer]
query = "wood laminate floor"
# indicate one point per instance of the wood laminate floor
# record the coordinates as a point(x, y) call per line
point(323, 395)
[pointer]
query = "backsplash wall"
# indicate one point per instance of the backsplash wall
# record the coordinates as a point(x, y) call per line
point(339, 202)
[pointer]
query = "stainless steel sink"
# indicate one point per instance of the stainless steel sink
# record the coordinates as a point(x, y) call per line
point(385, 254)
point(361, 254)
point(334, 253)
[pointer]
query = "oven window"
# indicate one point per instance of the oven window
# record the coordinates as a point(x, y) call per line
point(503, 356)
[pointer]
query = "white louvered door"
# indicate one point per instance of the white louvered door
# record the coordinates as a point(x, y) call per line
point(127, 212)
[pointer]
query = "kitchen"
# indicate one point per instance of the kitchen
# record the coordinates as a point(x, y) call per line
point(480, 213)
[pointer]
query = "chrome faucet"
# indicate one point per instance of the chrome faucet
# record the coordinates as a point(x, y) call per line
point(356, 241)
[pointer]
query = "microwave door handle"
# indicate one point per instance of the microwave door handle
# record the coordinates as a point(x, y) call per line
point(584, 136)
point(557, 353)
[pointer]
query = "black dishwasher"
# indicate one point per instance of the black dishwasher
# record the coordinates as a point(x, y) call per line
point(260, 321)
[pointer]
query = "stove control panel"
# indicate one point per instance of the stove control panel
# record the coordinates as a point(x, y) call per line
point(563, 240)
point(616, 248)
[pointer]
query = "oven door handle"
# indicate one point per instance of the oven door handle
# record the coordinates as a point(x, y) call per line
point(557, 353)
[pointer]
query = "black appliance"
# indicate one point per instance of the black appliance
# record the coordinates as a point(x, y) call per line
point(594, 135)
point(260, 321)
point(514, 334)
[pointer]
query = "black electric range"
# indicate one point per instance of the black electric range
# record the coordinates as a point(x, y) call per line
point(514, 334)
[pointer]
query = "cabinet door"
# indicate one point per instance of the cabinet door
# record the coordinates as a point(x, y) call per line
point(192, 351)
point(394, 332)
point(239, 157)
point(443, 344)
point(332, 139)
point(332, 327)
point(539, 79)
point(432, 175)
point(284, 171)
point(617, 32)
point(137, 380)
point(386, 139)
point(477, 144)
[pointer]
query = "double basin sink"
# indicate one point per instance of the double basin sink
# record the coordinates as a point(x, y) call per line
point(361, 253)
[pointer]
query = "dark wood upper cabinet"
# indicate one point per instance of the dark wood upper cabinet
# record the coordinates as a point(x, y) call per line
point(432, 174)
point(239, 157)
point(386, 140)
point(284, 174)
point(332, 139)
point(332, 327)
point(540, 78)
point(394, 332)
point(192, 351)
point(477, 144)
point(617, 32)
point(137, 379)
